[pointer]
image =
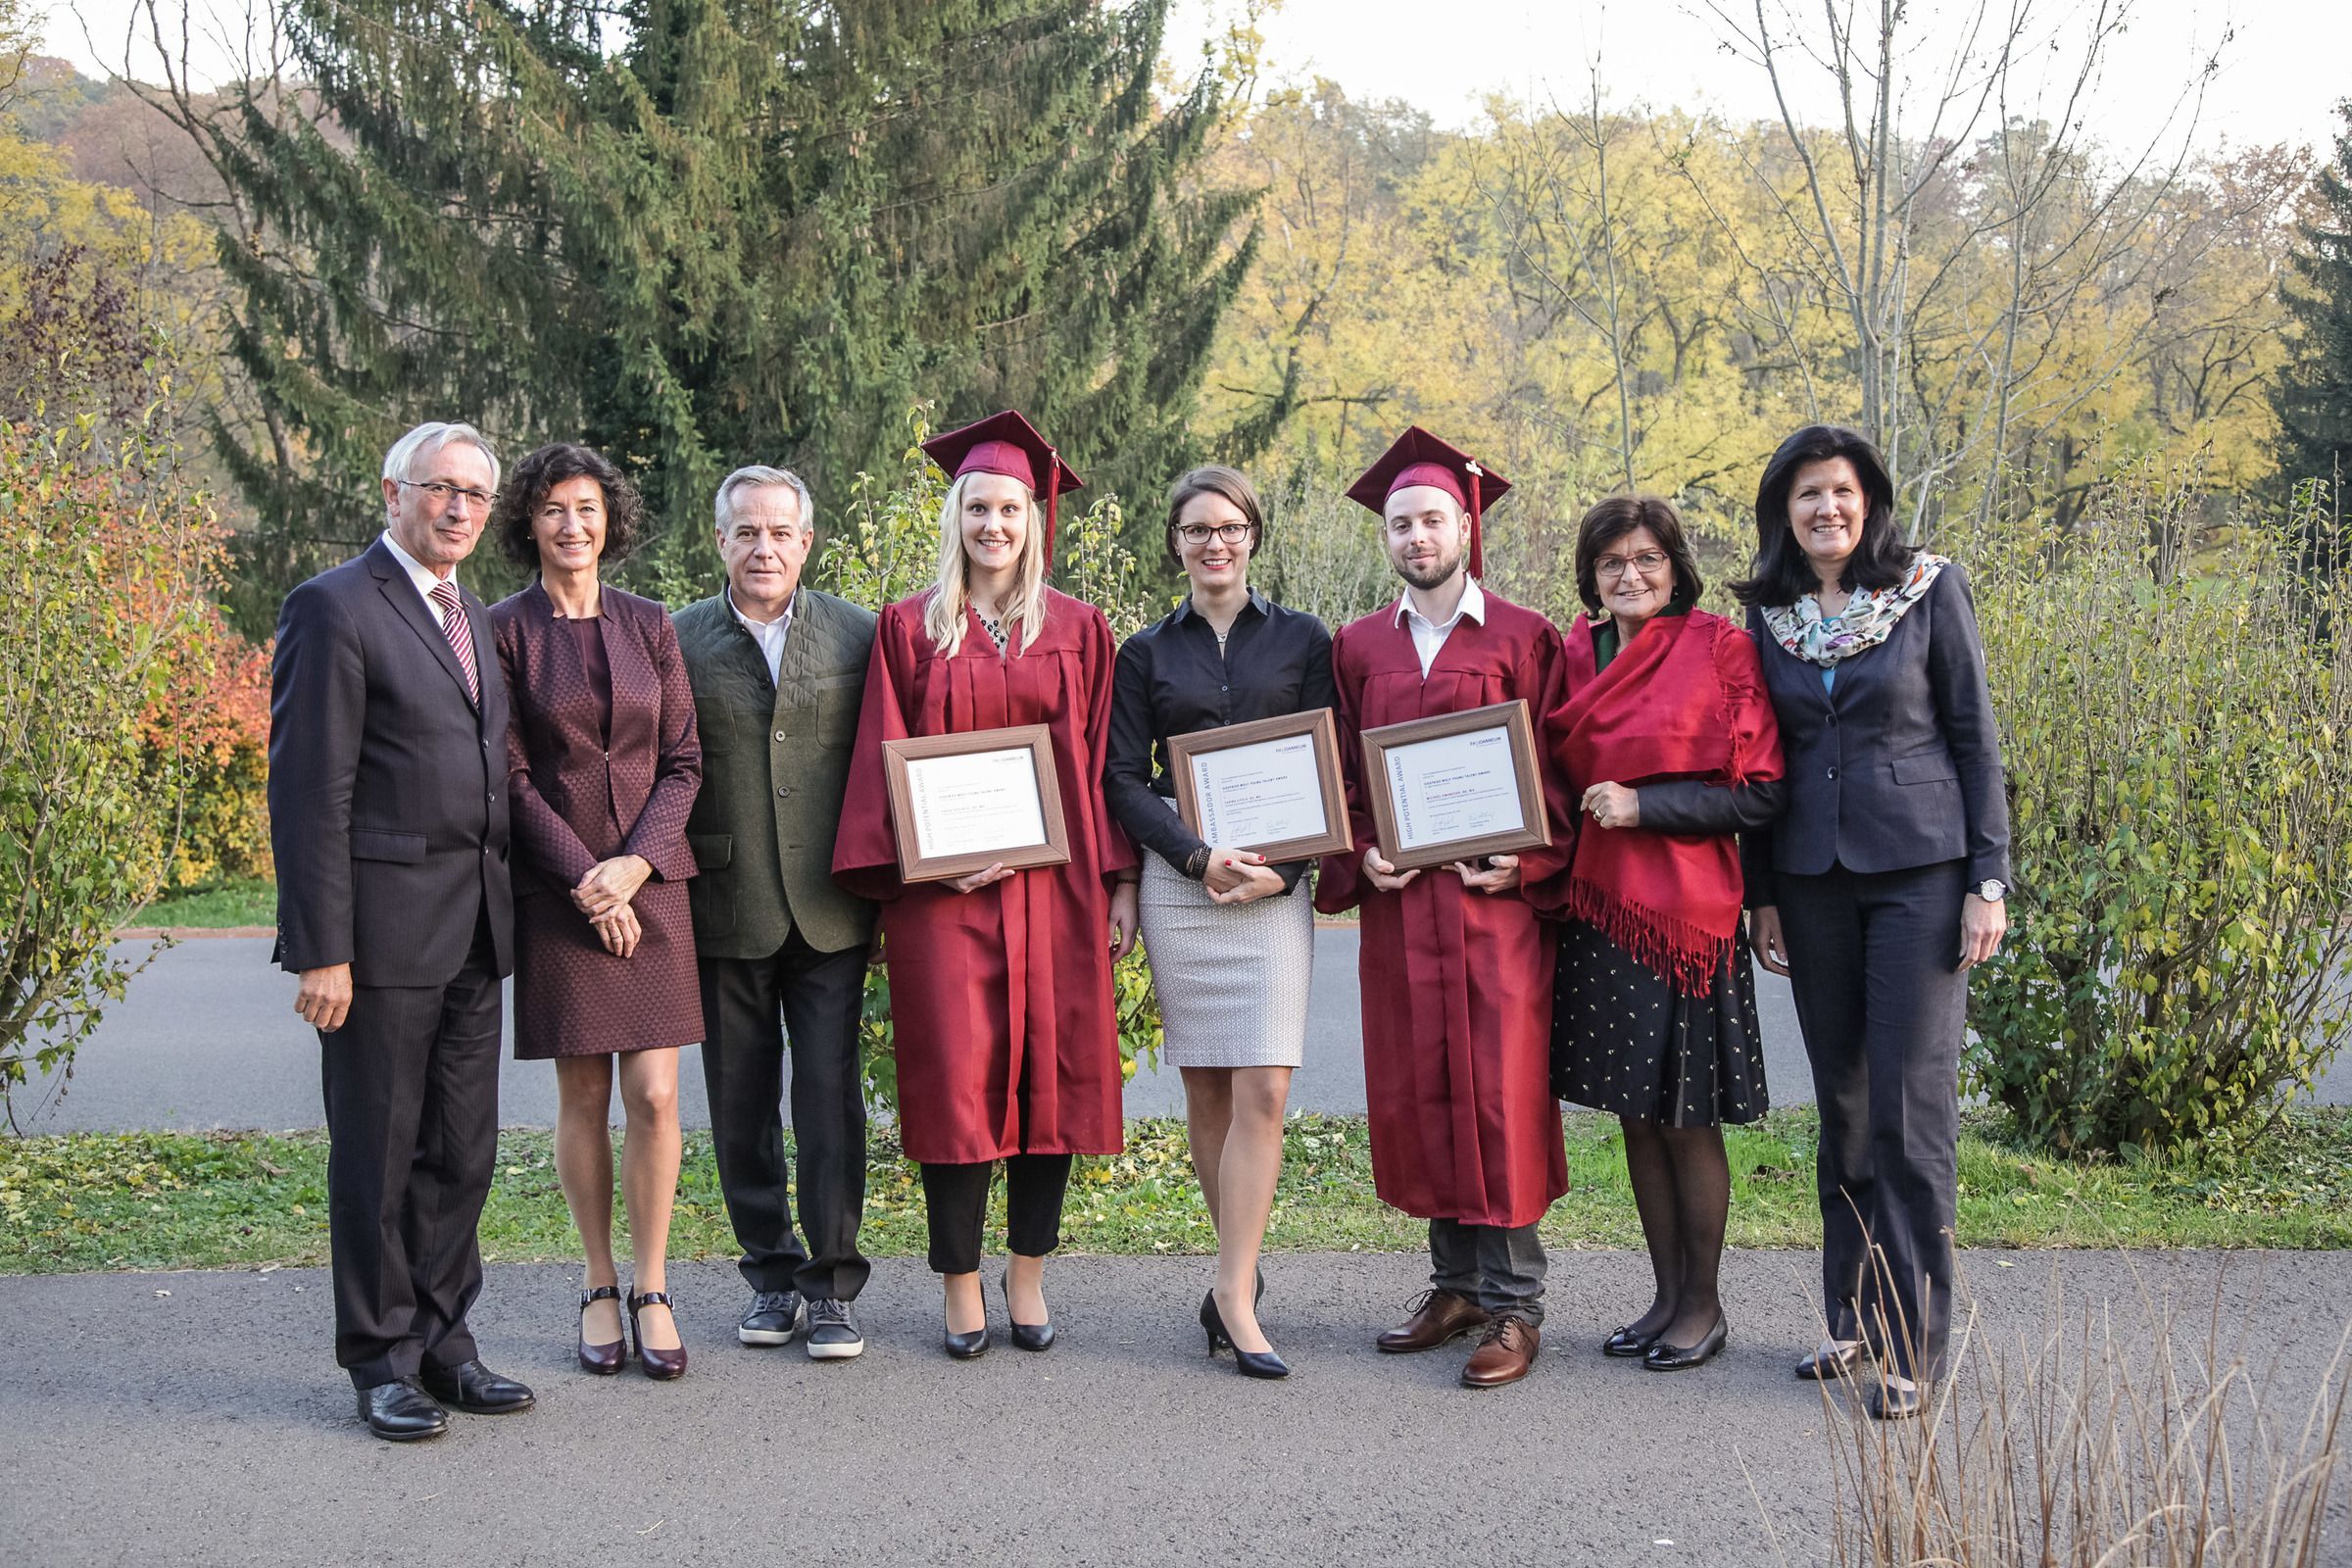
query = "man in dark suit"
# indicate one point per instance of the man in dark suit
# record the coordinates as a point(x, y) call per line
point(388, 817)
point(778, 672)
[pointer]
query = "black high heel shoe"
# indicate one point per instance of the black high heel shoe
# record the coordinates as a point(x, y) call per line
point(1664, 1358)
point(968, 1346)
point(1025, 1336)
point(1250, 1363)
point(660, 1365)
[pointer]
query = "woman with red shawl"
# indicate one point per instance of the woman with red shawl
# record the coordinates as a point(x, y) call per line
point(999, 982)
point(1668, 741)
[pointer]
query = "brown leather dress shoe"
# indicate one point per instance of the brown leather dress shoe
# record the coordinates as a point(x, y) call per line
point(1505, 1353)
point(1435, 1317)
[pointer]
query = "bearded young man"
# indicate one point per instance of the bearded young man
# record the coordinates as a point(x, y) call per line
point(1455, 964)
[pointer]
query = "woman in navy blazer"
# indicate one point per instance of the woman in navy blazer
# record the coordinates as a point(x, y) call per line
point(1881, 885)
point(604, 765)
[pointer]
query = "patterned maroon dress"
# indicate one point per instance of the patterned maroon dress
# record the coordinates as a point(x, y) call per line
point(602, 761)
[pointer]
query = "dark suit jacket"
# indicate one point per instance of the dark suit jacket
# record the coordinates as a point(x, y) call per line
point(387, 786)
point(1898, 765)
point(569, 789)
point(775, 765)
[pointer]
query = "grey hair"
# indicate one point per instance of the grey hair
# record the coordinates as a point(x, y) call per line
point(759, 475)
point(428, 439)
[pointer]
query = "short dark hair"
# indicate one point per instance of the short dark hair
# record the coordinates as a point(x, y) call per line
point(1214, 479)
point(544, 469)
point(1611, 520)
point(1781, 575)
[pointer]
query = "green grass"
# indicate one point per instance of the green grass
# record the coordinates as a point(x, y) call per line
point(248, 901)
point(149, 1201)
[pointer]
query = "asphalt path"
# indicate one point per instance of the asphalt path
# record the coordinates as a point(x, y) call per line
point(198, 1418)
point(207, 1038)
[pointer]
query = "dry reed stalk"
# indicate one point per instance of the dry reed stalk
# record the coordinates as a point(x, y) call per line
point(2102, 1446)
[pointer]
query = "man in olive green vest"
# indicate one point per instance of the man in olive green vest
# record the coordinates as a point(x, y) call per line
point(778, 672)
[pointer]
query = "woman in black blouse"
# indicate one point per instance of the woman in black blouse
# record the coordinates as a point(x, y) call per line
point(1230, 948)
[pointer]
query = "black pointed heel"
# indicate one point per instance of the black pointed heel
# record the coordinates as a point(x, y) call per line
point(1213, 1322)
point(1025, 1336)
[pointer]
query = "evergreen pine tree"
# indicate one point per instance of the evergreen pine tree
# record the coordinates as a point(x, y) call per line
point(2314, 396)
point(697, 233)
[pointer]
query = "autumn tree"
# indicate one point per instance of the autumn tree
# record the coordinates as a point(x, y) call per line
point(2313, 398)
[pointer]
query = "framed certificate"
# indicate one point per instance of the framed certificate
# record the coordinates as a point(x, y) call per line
point(1455, 787)
point(963, 803)
point(1271, 785)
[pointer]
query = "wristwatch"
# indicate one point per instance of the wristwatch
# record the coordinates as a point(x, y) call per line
point(1992, 890)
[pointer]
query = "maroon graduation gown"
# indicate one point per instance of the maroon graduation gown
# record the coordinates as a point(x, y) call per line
point(1456, 985)
point(1001, 1000)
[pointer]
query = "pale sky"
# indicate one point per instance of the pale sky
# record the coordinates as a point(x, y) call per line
point(2280, 75)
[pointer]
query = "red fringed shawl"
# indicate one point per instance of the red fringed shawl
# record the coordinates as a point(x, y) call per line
point(1684, 700)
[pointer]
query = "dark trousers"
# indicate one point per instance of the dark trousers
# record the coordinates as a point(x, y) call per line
point(1873, 962)
point(411, 1119)
point(955, 1202)
point(1499, 1267)
point(816, 997)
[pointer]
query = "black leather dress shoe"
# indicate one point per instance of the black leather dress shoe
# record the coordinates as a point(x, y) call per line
point(402, 1412)
point(1894, 1399)
point(476, 1389)
point(1025, 1336)
point(1827, 1365)
point(1664, 1358)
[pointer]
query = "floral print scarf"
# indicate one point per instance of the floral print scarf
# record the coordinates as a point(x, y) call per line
point(1864, 622)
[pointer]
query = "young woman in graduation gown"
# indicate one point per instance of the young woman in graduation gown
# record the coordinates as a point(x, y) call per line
point(999, 982)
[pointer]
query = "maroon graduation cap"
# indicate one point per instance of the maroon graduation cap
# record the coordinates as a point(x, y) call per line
point(1419, 458)
point(1008, 444)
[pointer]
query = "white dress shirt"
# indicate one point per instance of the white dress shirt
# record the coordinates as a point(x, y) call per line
point(768, 634)
point(424, 576)
point(1429, 636)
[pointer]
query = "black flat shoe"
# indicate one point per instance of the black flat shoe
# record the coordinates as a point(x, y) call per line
point(1828, 1368)
point(1025, 1336)
point(1627, 1344)
point(402, 1412)
point(1664, 1358)
point(968, 1346)
point(475, 1389)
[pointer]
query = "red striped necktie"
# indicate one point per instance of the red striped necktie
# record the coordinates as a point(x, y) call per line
point(459, 635)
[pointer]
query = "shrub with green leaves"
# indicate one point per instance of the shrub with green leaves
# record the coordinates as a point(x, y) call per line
point(883, 546)
point(2176, 731)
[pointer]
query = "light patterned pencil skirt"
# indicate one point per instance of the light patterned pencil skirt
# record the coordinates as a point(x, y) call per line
point(1232, 978)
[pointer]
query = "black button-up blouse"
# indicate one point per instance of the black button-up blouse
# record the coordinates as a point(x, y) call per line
point(1172, 680)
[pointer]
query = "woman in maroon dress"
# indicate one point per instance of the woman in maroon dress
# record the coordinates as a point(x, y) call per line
point(603, 766)
point(999, 982)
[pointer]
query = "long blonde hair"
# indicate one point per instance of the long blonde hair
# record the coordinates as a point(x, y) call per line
point(1025, 610)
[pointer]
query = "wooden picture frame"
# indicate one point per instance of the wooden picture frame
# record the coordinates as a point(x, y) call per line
point(1390, 819)
point(1186, 754)
point(922, 775)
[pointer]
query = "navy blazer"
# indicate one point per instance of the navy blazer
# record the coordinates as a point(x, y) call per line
point(1898, 765)
point(387, 784)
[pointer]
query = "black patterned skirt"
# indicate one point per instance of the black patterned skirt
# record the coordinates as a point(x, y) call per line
point(1623, 1040)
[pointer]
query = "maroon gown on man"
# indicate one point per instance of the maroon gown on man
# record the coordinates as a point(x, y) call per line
point(1000, 999)
point(1456, 984)
point(602, 761)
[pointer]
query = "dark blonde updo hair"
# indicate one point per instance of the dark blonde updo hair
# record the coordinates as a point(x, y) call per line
point(1611, 520)
point(1215, 479)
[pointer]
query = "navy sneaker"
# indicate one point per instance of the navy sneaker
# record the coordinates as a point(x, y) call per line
point(832, 1330)
point(774, 1318)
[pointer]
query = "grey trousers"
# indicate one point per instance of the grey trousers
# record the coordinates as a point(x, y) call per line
point(1499, 1268)
point(1873, 964)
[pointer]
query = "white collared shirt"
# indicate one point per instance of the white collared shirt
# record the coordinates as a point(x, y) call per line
point(1429, 636)
point(424, 576)
point(768, 634)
